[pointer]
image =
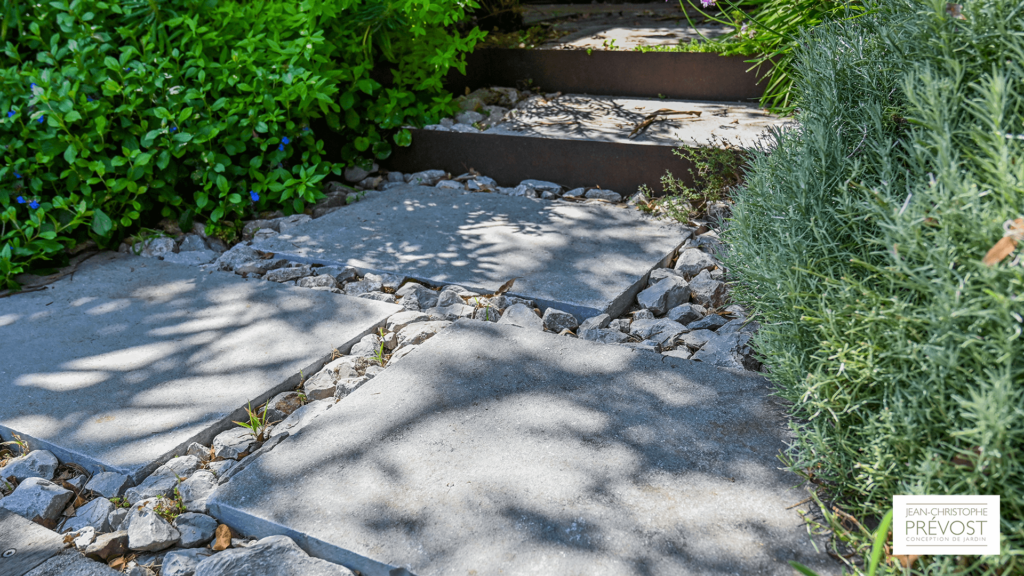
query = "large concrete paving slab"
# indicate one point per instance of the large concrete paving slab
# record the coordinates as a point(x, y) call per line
point(497, 450)
point(583, 259)
point(122, 364)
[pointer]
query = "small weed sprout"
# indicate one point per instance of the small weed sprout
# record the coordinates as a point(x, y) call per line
point(378, 354)
point(715, 172)
point(257, 425)
point(19, 442)
point(171, 511)
point(119, 502)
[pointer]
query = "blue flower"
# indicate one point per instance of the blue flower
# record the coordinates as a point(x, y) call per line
point(16, 175)
point(305, 128)
point(255, 197)
point(88, 98)
point(10, 114)
point(41, 118)
point(20, 199)
point(280, 147)
point(33, 205)
point(285, 140)
point(33, 86)
point(174, 128)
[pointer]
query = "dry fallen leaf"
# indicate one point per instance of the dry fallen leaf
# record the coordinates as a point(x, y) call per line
point(222, 538)
point(117, 563)
point(506, 286)
point(1007, 244)
point(954, 10)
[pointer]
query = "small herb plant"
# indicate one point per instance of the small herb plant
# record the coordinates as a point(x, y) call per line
point(257, 423)
point(19, 443)
point(378, 354)
point(715, 171)
point(173, 509)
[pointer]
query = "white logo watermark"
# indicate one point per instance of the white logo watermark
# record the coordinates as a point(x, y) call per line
point(943, 525)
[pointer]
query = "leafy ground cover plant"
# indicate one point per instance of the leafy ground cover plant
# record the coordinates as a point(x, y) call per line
point(715, 170)
point(117, 114)
point(770, 31)
point(859, 238)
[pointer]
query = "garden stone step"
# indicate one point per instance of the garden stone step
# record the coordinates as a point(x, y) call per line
point(582, 259)
point(123, 364)
point(495, 448)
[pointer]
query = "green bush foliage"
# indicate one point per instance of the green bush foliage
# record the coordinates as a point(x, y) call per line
point(859, 239)
point(119, 113)
point(770, 31)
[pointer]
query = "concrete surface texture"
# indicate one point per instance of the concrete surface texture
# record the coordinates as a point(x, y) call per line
point(24, 544)
point(612, 119)
point(582, 259)
point(122, 364)
point(493, 449)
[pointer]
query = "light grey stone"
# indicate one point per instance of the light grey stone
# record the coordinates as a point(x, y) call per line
point(667, 293)
point(288, 224)
point(222, 467)
point(369, 283)
point(369, 183)
point(195, 529)
point(465, 128)
point(395, 176)
point(575, 193)
point(199, 451)
point(368, 346)
point(271, 556)
point(686, 313)
point(304, 415)
point(522, 316)
point(238, 255)
point(288, 274)
point(136, 570)
point(398, 355)
point(83, 537)
point(194, 258)
point(116, 518)
point(556, 320)
point(584, 259)
point(183, 562)
point(37, 497)
point(482, 184)
point(523, 191)
point(682, 353)
point(95, 513)
point(718, 274)
point(604, 336)
point(593, 323)
point(233, 444)
point(179, 348)
point(724, 350)
point(71, 563)
point(448, 297)
point(341, 274)
point(402, 319)
point(197, 489)
point(487, 314)
point(696, 339)
point(649, 345)
point(599, 194)
point(660, 274)
point(379, 297)
point(283, 404)
point(708, 292)
point(426, 177)
point(468, 117)
point(503, 302)
point(452, 312)
point(156, 247)
point(347, 385)
point(692, 261)
point(549, 195)
point(192, 243)
point(420, 332)
point(108, 546)
point(542, 186)
point(620, 324)
point(159, 484)
point(709, 322)
point(451, 185)
point(662, 330)
point(643, 314)
point(35, 464)
point(531, 421)
point(148, 532)
point(355, 173)
point(321, 282)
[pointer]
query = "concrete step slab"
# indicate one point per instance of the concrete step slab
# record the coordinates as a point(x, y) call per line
point(124, 363)
point(582, 259)
point(495, 449)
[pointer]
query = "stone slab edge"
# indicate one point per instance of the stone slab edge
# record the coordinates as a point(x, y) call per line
point(205, 437)
point(616, 307)
point(260, 528)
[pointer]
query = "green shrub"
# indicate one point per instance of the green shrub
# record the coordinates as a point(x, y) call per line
point(859, 238)
point(770, 30)
point(115, 114)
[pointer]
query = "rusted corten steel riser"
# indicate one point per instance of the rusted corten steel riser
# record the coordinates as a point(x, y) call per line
point(678, 76)
point(511, 159)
